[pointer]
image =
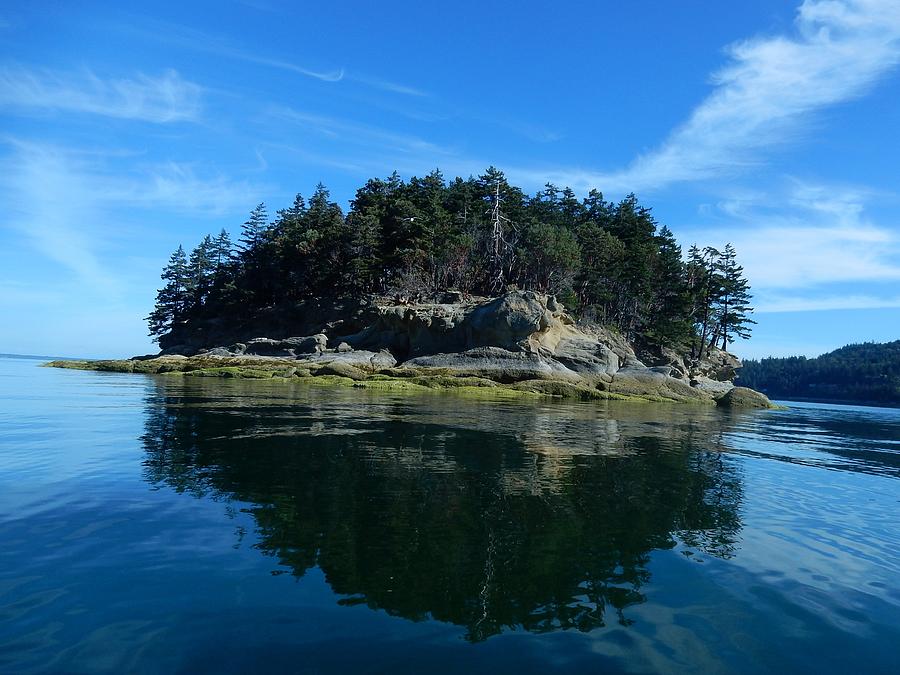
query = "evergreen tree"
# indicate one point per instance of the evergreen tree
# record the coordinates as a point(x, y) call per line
point(669, 320)
point(599, 282)
point(733, 304)
point(172, 300)
point(324, 240)
point(253, 232)
point(222, 251)
point(550, 257)
point(705, 287)
point(635, 227)
point(201, 270)
point(606, 260)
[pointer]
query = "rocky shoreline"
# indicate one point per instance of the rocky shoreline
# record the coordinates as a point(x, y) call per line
point(520, 344)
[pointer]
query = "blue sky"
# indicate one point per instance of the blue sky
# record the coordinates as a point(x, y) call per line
point(128, 128)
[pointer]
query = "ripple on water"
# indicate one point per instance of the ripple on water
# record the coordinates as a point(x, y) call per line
point(165, 524)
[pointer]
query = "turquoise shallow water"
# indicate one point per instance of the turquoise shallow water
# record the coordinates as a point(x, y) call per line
point(165, 525)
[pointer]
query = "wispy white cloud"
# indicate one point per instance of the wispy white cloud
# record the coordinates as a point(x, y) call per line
point(784, 253)
point(766, 96)
point(161, 99)
point(173, 34)
point(779, 304)
point(325, 76)
point(201, 41)
point(50, 204)
point(356, 133)
point(68, 205)
point(178, 187)
point(387, 85)
point(812, 251)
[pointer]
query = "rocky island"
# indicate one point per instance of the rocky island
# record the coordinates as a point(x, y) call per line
point(465, 286)
point(519, 343)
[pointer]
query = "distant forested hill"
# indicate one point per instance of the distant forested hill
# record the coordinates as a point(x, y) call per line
point(868, 372)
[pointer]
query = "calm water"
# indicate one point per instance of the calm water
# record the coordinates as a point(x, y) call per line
point(159, 525)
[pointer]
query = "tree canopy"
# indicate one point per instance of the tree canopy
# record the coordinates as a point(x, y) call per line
point(607, 261)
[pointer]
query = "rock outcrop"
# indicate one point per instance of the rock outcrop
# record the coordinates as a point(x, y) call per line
point(520, 337)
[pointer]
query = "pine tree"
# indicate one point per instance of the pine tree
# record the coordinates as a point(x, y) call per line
point(599, 283)
point(222, 251)
point(172, 300)
point(324, 238)
point(550, 258)
point(253, 231)
point(635, 227)
point(734, 300)
point(669, 320)
point(476, 235)
point(705, 285)
point(201, 270)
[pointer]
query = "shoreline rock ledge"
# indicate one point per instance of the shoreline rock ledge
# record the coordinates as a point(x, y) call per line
point(522, 342)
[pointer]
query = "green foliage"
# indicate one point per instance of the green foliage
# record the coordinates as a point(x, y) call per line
point(607, 261)
point(550, 256)
point(868, 372)
point(172, 300)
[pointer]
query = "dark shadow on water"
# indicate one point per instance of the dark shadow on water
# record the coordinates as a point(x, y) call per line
point(491, 516)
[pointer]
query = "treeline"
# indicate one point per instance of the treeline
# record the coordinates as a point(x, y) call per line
point(607, 261)
point(868, 372)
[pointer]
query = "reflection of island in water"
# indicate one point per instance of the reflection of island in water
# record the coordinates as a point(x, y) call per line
point(487, 515)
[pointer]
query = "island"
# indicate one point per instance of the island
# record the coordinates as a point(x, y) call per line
point(469, 286)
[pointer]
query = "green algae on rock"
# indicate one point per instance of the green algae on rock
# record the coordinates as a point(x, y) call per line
point(403, 379)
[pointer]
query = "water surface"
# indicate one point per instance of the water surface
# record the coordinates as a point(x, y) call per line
point(160, 524)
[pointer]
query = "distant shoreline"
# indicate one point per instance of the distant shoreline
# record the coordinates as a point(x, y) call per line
point(37, 357)
point(848, 402)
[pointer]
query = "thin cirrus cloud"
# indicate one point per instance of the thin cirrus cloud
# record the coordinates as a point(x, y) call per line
point(816, 242)
point(200, 41)
point(324, 76)
point(49, 204)
point(358, 134)
point(68, 205)
point(780, 304)
point(767, 94)
point(160, 99)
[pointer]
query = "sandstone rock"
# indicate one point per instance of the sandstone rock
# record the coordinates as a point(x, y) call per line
point(358, 358)
point(586, 356)
point(742, 397)
point(714, 388)
point(314, 344)
point(179, 350)
point(291, 346)
point(648, 383)
point(521, 335)
point(341, 369)
point(717, 365)
point(497, 364)
point(265, 347)
point(511, 321)
point(218, 351)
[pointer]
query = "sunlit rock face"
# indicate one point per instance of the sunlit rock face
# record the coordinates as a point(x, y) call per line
point(517, 338)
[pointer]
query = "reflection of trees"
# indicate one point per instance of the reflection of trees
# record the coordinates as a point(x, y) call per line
point(485, 529)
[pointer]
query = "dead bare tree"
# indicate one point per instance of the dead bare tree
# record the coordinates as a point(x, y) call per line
point(499, 245)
